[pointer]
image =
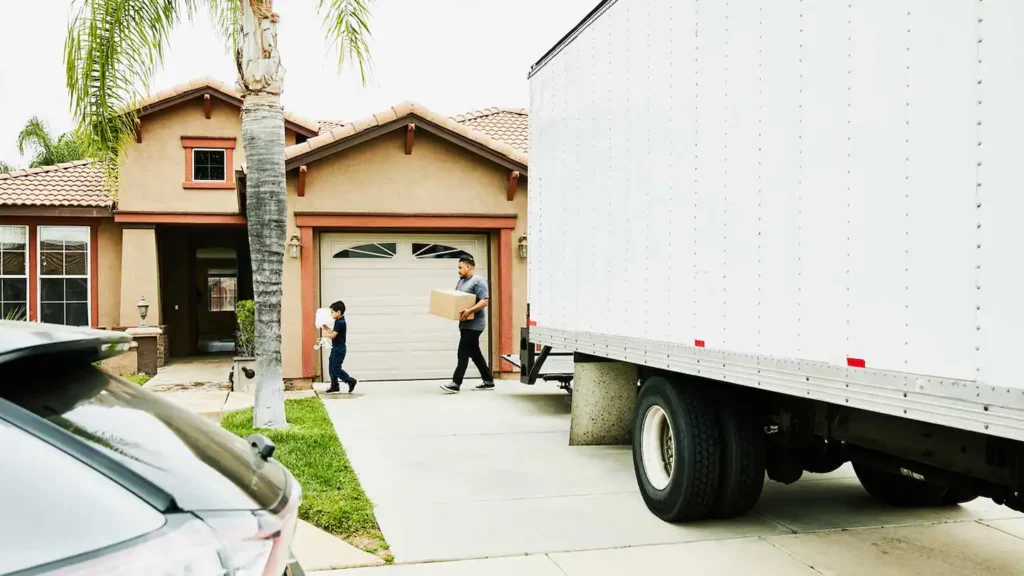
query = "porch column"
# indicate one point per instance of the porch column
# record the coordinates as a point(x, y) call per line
point(140, 275)
point(308, 303)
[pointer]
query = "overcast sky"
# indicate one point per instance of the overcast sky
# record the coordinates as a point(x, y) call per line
point(452, 56)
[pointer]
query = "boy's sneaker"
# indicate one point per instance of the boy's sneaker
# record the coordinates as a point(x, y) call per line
point(450, 388)
point(352, 385)
point(333, 390)
point(485, 386)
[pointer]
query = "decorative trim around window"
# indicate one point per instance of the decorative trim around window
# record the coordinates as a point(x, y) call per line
point(225, 145)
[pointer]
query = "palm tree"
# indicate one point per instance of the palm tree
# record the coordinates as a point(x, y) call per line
point(113, 49)
point(46, 150)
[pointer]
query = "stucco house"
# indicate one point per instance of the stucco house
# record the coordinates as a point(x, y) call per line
point(379, 210)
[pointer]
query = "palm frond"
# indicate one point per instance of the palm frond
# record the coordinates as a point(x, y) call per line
point(5, 167)
point(112, 51)
point(46, 150)
point(35, 137)
point(347, 26)
point(225, 15)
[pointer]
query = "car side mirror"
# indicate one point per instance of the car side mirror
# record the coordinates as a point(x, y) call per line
point(263, 445)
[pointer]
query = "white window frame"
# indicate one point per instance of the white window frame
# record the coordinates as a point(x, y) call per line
point(88, 271)
point(222, 150)
point(28, 267)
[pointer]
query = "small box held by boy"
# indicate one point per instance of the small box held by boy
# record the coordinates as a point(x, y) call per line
point(338, 334)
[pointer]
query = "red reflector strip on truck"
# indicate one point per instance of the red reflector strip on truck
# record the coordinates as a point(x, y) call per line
point(698, 343)
point(531, 323)
point(856, 363)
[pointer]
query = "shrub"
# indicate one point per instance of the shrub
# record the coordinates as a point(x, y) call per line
point(245, 314)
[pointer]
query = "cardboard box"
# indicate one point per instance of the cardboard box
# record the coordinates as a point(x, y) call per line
point(448, 303)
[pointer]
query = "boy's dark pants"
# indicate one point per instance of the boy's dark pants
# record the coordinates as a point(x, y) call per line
point(469, 349)
point(334, 364)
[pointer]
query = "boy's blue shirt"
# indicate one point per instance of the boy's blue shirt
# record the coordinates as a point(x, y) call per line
point(342, 330)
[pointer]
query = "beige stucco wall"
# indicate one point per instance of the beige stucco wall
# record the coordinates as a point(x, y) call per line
point(140, 275)
point(109, 280)
point(152, 172)
point(377, 177)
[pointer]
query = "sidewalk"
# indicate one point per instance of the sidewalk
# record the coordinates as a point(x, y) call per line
point(992, 548)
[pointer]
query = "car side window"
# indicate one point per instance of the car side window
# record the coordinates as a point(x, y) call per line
point(54, 507)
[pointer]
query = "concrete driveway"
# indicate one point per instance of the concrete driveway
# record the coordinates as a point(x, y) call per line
point(490, 474)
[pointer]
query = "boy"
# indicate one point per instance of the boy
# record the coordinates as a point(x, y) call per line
point(338, 349)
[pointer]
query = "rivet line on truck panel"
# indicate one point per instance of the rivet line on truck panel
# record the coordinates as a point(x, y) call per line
point(979, 200)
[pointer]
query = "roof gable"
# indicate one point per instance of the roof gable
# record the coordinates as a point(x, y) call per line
point(396, 118)
point(196, 88)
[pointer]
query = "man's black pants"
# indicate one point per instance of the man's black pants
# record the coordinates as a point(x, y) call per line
point(469, 349)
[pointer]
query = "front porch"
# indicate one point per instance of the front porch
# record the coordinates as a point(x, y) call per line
point(192, 275)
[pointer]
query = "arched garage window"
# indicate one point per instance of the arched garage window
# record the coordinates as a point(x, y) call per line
point(423, 250)
point(376, 250)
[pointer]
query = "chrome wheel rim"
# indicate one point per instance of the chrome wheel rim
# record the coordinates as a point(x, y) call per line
point(657, 448)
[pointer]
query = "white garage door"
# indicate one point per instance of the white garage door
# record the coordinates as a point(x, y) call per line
point(385, 281)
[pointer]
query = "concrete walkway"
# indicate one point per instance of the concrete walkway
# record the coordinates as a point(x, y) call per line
point(186, 373)
point(929, 550)
point(214, 404)
point(490, 475)
point(317, 550)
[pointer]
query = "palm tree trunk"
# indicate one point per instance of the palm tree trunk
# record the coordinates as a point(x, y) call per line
point(260, 79)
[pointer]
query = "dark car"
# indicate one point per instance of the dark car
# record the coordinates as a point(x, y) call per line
point(98, 476)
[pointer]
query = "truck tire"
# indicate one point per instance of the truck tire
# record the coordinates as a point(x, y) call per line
point(741, 474)
point(903, 492)
point(676, 450)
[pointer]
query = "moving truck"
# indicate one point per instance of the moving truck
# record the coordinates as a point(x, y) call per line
point(793, 233)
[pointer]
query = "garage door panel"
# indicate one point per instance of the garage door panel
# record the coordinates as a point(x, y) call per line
point(391, 335)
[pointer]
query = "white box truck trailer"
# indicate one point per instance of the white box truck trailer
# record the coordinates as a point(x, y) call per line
point(795, 231)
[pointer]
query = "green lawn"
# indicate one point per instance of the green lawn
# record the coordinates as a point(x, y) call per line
point(139, 379)
point(332, 497)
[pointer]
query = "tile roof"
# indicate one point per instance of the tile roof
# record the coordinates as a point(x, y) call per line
point(222, 87)
point(78, 184)
point(510, 125)
point(400, 111)
point(328, 125)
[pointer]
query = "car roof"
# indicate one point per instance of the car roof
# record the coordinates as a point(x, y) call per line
point(25, 339)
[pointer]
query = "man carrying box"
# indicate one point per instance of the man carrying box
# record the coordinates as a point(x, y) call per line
point(472, 322)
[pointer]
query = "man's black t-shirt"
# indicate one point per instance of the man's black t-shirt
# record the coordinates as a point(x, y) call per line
point(342, 329)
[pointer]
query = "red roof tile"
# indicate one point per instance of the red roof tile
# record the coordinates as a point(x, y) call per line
point(509, 125)
point(78, 184)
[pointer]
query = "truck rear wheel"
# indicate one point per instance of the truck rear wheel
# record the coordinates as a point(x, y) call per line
point(676, 450)
point(741, 476)
point(896, 490)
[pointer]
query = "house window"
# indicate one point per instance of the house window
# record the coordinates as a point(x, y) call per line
point(222, 286)
point(64, 275)
point(437, 251)
point(13, 273)
point(378, 250)
point(208, 165)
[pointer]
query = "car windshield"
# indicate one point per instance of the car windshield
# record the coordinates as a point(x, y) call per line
point(198, 463)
